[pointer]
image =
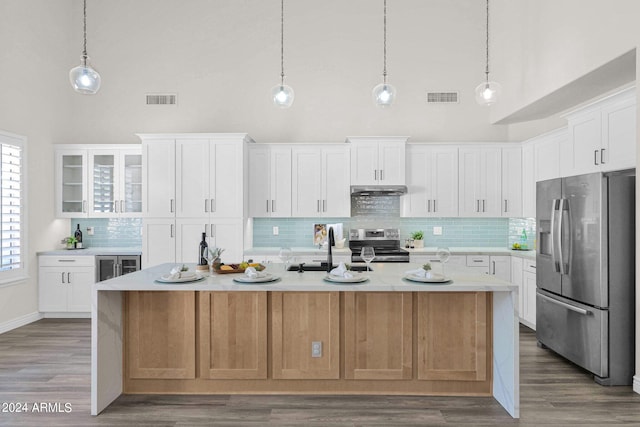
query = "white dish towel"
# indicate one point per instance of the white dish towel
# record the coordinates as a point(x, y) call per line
point(252, 273)
point(341, 271)
point(419, 272)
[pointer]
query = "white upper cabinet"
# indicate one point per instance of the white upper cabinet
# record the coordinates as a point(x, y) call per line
point(270, 181)
point(159, 178)
point(432, 181)
point(602, 136)
point(98, 181)
point(209, 178)
point(480, 181)
point(512, 174)
point(320, 181)
point(71, 183)
point(528, 181)
point(377, 160)
point(115, 182)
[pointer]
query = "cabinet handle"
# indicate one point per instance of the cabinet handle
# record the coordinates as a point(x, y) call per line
point(478, 260)
point(532, 266)
point(206, 228)
point(318, 206)
point(595, 157)
point(602, 156)
point(375, 174)
point(212, 228)
point(273, 205)
point(206, 205)
point(84, 206)
point(324, 205)
point(267, 206)
point(494, 267)
point(506, 206)
point(381, 176)
point(62, 277)
point(121, 206)
point(483, 209)
point(115, 206)
point(66, 260)
point(477, 205)
point(171, 201)
point(115, 269)
point(69, 277)
point(429, 205)
point(434, 206)
point(213, 205)
point(171, 230)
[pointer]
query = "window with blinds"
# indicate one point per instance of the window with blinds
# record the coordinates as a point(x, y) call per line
point(12, 216)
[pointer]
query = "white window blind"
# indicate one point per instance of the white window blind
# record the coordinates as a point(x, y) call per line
point(12, 239)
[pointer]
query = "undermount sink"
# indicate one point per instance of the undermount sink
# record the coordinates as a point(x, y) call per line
point(322, 267)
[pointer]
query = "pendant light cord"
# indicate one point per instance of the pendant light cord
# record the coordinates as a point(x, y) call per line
point(486, 71)
point(84, 22)
point(281, 42)
point(384, 46)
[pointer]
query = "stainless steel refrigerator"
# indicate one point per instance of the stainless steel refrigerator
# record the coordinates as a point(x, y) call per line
point(585, 272)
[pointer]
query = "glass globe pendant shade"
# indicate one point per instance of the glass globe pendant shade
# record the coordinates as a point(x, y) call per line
point(487, 93)
point(383, 95)
point(283, 96)
point(84, 79)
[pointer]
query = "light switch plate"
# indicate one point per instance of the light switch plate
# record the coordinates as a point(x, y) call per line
point(437, 231)
point(276, 230)
point(90, 231)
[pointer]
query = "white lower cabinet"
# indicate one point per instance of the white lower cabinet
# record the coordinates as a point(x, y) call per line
point(64, 283)
point(523, 274)
point(529, 294)
point(158, 241)
point(500, 266)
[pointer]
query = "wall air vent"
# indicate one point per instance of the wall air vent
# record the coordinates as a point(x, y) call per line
point(442, 98)
point(162, 98)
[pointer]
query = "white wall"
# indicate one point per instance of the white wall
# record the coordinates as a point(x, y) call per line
point(34, 102)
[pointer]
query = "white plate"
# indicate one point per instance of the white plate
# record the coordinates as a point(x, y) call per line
point(338, 279)
point(188, 279)
point(264, 279)
point(435, 278)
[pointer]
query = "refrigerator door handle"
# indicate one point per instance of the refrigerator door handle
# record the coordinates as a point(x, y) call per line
point(554, 208)
point(564, 206)
point(565, 305)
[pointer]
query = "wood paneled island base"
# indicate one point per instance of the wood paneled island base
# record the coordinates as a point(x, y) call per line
point(409, 343)
point(387, 335)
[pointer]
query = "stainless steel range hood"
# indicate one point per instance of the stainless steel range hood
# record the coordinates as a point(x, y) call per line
point(378, 190)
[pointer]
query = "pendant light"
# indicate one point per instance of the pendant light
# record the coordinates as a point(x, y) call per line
point(384, 94)
point(84, 79)
point(487, 93)
point(282, 94)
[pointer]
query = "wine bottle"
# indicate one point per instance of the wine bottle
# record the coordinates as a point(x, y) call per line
point(78, 236)
point(203, 246)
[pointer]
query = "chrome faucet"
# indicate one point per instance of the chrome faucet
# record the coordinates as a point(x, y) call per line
point(332, 241)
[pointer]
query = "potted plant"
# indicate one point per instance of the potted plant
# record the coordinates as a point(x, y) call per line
point(71, 242)
point(418, 239)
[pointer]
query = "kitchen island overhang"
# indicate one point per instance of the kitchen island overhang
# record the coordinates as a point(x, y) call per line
point(109, 335)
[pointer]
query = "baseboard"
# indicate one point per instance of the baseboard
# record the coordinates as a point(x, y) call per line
point(636, 383)
point(20, 321)
point(67, 315)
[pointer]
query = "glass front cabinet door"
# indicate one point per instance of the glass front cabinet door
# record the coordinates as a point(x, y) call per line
point(71, 179)
point(115, 183)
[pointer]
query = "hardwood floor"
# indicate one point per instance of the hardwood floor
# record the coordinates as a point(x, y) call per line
point(48, 362)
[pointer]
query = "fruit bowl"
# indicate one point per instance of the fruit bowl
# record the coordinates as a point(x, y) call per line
point(236, 268)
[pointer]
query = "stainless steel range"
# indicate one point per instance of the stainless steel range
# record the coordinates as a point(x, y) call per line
point(385, 242)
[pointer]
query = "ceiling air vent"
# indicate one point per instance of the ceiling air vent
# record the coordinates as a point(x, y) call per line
point(162, 98)
point(442, 98)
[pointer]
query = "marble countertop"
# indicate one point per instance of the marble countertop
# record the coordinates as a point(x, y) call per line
point(94, 251)
point(386, 277)
point(300, 251)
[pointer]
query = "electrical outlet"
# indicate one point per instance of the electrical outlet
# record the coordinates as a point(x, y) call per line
point(316, 349)
point(437, 231)
point(276, 230)
point(90, 231)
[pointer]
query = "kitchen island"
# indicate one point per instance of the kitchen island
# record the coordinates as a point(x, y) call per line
point(301, 334)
